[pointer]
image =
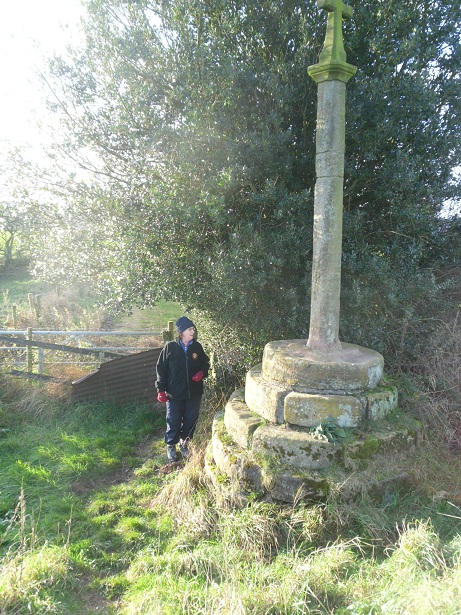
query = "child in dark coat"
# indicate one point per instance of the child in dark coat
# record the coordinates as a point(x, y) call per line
point(181, 368)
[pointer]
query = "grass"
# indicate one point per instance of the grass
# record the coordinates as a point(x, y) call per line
point(94, 520)
point(67, 501)
point(17, 284)
point(59, 308)
point(73, 309)
point(148, 318)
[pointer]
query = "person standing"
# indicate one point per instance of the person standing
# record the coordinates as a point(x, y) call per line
point(181, 369)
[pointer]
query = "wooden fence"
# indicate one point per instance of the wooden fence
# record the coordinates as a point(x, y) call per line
point(124, 378)
point(28, 353)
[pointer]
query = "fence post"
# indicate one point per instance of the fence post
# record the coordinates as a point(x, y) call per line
point(171, 329)
point(102, 357)
point(30, 296)
point(38, 305)
point(41, 360)
point(29, 351)
point(14, 310)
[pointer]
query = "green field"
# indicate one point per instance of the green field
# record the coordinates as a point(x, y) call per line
point(73, 308)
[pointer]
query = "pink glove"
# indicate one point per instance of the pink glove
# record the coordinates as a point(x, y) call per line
point(162, 396)
point(198, 376)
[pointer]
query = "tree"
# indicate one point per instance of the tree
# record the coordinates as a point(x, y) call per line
point(197, 120)
point(21, 222)
point(25, 215)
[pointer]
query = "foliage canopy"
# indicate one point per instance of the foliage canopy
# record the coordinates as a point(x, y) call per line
point(197, 119)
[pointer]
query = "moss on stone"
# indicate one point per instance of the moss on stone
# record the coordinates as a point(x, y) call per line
point(226, 439)
point(369, 447)
point(397, 419)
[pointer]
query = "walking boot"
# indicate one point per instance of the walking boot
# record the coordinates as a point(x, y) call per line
point(184, 449)
point(171, 452)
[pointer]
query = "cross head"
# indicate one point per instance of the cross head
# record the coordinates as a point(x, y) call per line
point(333, 48)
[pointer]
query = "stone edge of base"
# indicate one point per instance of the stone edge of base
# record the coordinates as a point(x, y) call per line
point(238, 473)
point(298, 447)
point(309, 408)
point(229, 490)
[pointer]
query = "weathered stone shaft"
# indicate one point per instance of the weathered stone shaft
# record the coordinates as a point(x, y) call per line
point(328, 207)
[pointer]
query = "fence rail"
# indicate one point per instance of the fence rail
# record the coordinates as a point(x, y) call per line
point(27, 357)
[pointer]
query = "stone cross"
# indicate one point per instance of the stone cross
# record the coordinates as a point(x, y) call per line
point(299, 386)
point(331, 74)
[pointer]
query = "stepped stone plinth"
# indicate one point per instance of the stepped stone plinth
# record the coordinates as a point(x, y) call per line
point(268, 435)
point(302, 387)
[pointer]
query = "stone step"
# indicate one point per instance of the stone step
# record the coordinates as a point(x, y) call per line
point(279, 405)
point(291, 364)
point(240, 422)
point(301, 449)
point(263, 397)
point(231, 459)
point(275, 473)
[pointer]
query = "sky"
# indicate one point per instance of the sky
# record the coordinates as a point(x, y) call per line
point(29, 30)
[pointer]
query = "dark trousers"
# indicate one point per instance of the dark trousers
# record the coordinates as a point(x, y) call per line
point(181, 419)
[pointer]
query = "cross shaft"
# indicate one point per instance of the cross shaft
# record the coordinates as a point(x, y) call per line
point(331, 74)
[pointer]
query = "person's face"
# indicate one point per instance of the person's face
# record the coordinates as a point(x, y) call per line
point(187, 335)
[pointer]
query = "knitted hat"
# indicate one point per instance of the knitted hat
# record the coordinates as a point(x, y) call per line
point(183, 323)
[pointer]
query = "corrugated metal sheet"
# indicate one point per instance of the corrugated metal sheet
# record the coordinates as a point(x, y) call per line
point(130, 378)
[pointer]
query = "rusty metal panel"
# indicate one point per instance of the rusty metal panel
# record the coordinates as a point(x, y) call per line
point(126, 379)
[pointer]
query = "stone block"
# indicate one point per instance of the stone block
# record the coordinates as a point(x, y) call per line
point(310, 410)
point(291, 487)
point(388, 440)
point(238, 395)
point(231, 459)
point(240, 422)
point(298, 449)
point(381, 490)
point(292, 365)
point(381, 403)
point(263, 397)
point(398, 440)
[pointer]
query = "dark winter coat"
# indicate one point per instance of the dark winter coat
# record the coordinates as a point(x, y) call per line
point(175, 369)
